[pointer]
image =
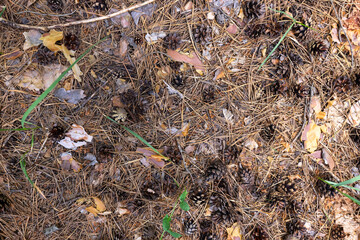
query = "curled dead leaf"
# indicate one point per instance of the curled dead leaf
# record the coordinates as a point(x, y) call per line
point(191, 58)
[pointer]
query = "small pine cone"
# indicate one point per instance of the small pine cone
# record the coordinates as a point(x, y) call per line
point(209, 236)
point(255, 31)
point(355, 136)
point(275, 199)
point(5, 203)
point(268, 132)
point(295, 59)
point(259, 234)
point(342, 84)
point(337, 232)
point(246, 176)
point(55, 5)
point(325, 189)
point(280, 87)
point(287, 187)
point(281, 71)
point(178, 81)
point(128, 98)
point(57, 132)
point(199, 197)
point(301, 90)
point(220, 209)
point(72, 42)
point(172, 41)
point(100, 5)
point(356, 79)
point(215, 171)
point(319, 47)
point(231, 154)
point(138, 39)
point(149, 232)
point(202, 34)
point(190, 227)
point(253, 9)
point(174, 154)
point(295, 225)
point(44, 56)
point(208, 94)
point(175, 66)
point(301, 31)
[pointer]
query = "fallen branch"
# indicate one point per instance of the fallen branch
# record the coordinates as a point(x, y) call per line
point(17, 25)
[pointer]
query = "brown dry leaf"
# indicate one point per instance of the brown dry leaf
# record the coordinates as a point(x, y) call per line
point(192, 59)
point(49, 41)
point(100, 206)
point(315, 104)
point(153, 157)
point(311, 136)
point(327, 158)
point(92, 210)
point(121, 209)
point(69, 163)
point(13, 55)
point(234, 232)
point(77, 133)
point(32, 38)
point(232, 29)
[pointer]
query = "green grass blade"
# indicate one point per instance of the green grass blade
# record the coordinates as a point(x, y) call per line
point(294, 20)
point(277, 45)
point(23, 168)
point(137, 136)
point(347, 182)
point(2, 11)
point(53, 85)
point(18, 129)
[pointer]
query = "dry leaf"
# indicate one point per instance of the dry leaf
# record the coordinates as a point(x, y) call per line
point(234, 232)
point(354, 115)
point(78, 133)
point(153, 157)
point(228, 116)
point(13, 55)
point(192, 59)
point(72, 96)
point(311, 136)
point(327, 158)
point(32, 38)
point(251, 144)
point(315, 104)
point(69, 163)
point(232, 29)
point(100, 206)
point(154, 37)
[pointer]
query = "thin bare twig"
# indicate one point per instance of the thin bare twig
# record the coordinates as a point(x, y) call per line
point(17, 25)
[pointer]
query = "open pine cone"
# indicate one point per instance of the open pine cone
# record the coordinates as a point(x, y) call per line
point(202, 34)
point(342, 84)
point(253, 9)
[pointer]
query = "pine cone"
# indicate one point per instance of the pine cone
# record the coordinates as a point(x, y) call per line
point(199, 197)
point(276, 199)
point(295, 59)
point(301, 90)
point(190, 227)
point(220, 209)
point(319, 47)
point(253, 9)
point(246, 176)
point(208, 94)
point(355, 136)
point(202, 34)
point(280, 87)
point(172, 41)
point(149, 232)
point(301, 31)
point(178, 81)
point(231, 154)
point(57, 132)
point(342, 84)
point(5, 203)
point(138, 39)
point(100, 5)
point(255, 31)
point(72, 42)
point(295, 225)
point(281, 71)
point(215, 171)
point(268, 132)
point(337, 232)
point(174, 154)
point(44, 56)
point(259, 234)
point(287, 187)
point(325, 189)
point(55, 5)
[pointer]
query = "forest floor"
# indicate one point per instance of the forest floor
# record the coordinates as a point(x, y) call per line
point(247, 140)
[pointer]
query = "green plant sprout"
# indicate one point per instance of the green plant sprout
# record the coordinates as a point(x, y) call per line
point(283, 37)
point(346, 185)
point(167, 219)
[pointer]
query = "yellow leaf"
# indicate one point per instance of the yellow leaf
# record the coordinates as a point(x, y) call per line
point(100, 206)
point(92, 210)
point(312, 137)
point(321, 115)
point(221, 75)
point(71, 60)
point(234, 232)
point(49, 40)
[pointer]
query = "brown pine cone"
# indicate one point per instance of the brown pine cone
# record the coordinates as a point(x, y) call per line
point(44, 56)
point(301, 90)
point(259, 234)
point(55, 5)
point(190, 227)
point(355, 136)
point(215, 171)
point(301, 31)
point(199, 196)
point(208, 94)
point(202, 34)
point(255, 31)
point(231, 153)
point(337, 232)
point(71, 41)
point(342, 84)
point(253, 9)
point(100, 5)
point(325, 189)
point(268, 132)
point(287, 187)
point(172, 41)
point(319, 47)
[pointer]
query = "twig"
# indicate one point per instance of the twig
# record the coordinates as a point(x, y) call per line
point(347, 37)
point(17, 25)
